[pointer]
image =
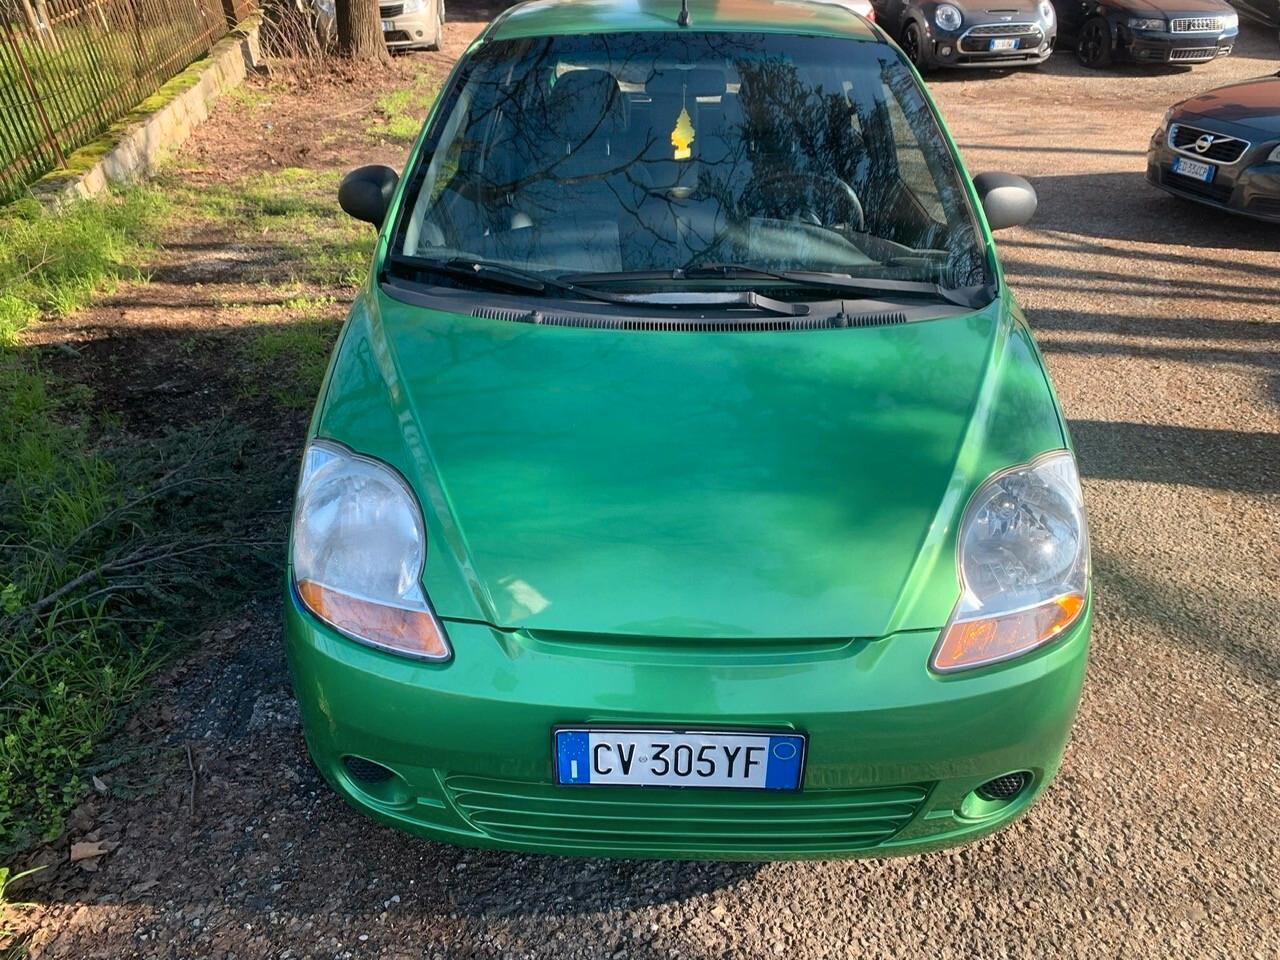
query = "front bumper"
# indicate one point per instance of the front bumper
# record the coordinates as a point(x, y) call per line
point(1146, 46)
point(1250, 187)
point(404, 31)
point(970, 46)
point(894, 750)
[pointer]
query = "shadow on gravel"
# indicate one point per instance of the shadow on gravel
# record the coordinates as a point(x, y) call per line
point(1188, 618)
point(1123, 206)
point(1230, 460)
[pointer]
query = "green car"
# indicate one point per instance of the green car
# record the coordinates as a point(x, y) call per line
point(686, 482)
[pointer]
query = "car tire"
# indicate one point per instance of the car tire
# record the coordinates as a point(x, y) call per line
point(1093, 46)
point(913, 46)
point(439, 41)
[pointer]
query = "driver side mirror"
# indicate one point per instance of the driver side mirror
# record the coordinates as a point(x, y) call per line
point(365, 193)
point(1007, 200)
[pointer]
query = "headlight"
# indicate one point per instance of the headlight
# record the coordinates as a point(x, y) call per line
point(1231, 21)
point(1046, 11)
point(358, 551)
point(1024, 564)
point(413, 6)
point(1274, 155)
point(1145, 23)
point(948, 16)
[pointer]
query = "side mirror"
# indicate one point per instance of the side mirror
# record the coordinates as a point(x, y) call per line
point(1007, 200)
point(365, 193)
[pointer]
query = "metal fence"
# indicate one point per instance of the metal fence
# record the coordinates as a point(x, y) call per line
point(70, 68)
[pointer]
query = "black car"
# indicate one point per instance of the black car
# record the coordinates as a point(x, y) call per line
point(1147, 31)
point(1223, 148)
point(966, 34)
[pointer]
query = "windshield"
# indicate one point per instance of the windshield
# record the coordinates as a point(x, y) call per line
point(657, 153)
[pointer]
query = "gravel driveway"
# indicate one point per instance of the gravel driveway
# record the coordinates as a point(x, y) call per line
point(1160, 321)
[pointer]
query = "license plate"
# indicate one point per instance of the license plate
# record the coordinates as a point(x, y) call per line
point(1005, 43)
point(388, 25)
point(1193, 169)
point(679, 758)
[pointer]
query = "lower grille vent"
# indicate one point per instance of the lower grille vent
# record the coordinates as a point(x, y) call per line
point(643, 819)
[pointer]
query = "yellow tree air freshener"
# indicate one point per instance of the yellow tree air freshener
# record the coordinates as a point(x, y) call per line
point(682, 135)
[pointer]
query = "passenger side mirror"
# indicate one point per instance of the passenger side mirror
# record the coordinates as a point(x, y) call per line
point(365, 193)
point(1007, 200)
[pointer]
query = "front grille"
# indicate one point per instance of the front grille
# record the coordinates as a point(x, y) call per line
point(1004, 30)
point(1197, 25)
point(1210, 191)
point(1221, 149)
point(392, 10)
point(1194, 53)
point(396, 36)
point(633, 819)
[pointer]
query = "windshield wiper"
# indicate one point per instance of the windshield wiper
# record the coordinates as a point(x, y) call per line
point(963, 296)
point(492, 273)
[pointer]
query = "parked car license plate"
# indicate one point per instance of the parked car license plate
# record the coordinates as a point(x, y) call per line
point(388, 25)
point(1193, 169)
point(679, 758)
point(1005, 43)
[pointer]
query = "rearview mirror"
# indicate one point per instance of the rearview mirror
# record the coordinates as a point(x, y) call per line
point(1007, 200)
point(365, 193)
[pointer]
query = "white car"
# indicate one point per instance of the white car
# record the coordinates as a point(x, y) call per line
point(861, 7)
point(406, 24)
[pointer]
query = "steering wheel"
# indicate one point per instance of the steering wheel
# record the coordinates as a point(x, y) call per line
point(804, 196)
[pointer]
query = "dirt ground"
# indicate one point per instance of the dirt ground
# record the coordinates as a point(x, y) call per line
point(1160, 322)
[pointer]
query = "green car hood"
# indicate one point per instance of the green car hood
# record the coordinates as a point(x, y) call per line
point(690, 485)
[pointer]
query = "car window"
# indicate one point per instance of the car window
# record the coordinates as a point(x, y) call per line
point(663, 151)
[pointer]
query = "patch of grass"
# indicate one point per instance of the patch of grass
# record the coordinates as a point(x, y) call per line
point(54, 262)
point(294, 209)
point(288, 358)
point(248, 96)
point(111, 548)
point(404, 111)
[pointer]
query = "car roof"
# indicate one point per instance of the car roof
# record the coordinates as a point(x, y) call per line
point(559, 17)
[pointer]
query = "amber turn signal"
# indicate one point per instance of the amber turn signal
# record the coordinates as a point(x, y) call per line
point(972, 643)
point(402, 629)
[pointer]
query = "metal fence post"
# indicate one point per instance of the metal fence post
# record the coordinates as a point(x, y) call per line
point(36, 101)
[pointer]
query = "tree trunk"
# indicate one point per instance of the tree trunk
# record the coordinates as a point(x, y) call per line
point(360, 31)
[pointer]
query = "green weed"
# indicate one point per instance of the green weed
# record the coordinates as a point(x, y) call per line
point(9, 949)
point(111, 549)
point(403, 112)
point(54, 262)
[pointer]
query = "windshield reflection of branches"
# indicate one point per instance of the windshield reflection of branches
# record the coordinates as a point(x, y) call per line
point(566, 160)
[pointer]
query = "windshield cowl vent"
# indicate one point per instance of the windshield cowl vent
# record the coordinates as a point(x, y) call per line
point(692, 325)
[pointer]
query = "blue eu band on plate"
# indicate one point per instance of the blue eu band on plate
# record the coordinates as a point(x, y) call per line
point(686, 758)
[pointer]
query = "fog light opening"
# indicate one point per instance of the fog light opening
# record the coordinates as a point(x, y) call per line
point(366, 771)
point(945, 51)
point(997, 795)
point(1004, 788)
point(376, 781)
